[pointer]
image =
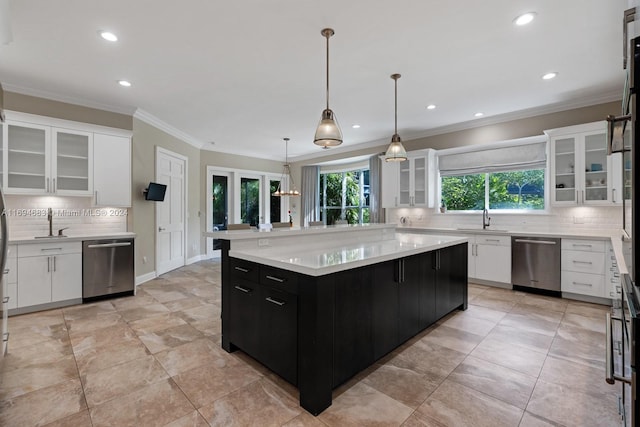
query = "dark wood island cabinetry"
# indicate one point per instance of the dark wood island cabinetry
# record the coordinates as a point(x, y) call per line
point(317, 331)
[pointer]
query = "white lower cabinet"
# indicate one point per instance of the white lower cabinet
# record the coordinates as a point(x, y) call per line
point(583, 267)
point(490, 257)
point(48, 273)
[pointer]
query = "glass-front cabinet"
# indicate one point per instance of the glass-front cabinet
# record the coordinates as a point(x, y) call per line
point(46, 160)
point(581, 172)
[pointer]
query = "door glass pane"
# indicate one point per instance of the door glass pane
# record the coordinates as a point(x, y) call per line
point(405, 177)
point(250, 201)
point(565, 171)
point(595, 164)
point(420, 181)
point(26, 158)
point(72, 161)
point(220, 206)
point(275, 214)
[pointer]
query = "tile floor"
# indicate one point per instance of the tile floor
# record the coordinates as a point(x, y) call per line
point(511, 359)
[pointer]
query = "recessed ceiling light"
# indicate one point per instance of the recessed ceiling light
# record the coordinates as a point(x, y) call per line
point(524, 19)
point(431, 107)
point(124, 83)
point(356, 126)
point(108, 35)
point(549, 76)
point(479, 114)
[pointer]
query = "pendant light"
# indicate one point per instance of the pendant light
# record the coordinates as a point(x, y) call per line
point(289, 187)
point(328, 133)
point(395, 152)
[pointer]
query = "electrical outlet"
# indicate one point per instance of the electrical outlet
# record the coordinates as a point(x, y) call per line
point(263, 242)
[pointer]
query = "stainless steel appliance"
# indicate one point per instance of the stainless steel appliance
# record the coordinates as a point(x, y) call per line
point(4, 290)
point(535, 264)
point(107, 268)
point(623, 326)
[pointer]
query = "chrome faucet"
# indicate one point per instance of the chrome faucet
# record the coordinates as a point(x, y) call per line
point(486, 219)
point(50, 219)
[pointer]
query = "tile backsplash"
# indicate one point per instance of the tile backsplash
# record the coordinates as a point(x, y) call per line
point(27, 216)
point(555, 219)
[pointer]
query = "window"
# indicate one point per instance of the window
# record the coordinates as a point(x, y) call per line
point(275, 214)
point(345, 196)
point(512, 190)
point(509, 175)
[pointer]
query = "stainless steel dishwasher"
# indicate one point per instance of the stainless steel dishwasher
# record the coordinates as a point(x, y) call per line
point(107, 268)
point(535, 263)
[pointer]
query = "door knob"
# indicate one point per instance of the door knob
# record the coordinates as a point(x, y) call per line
point(161, 228)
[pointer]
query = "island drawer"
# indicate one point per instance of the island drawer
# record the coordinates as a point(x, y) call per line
point(244, 270)
point(279, 279)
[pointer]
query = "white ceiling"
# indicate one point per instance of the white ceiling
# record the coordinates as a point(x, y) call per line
point(247, 73)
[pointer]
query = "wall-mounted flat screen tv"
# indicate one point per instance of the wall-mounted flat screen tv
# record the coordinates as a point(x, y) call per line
point(155, 192)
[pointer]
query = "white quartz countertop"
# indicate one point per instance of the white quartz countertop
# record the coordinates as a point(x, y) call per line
point(254, 233)
point(73, 238)
point(344, 256)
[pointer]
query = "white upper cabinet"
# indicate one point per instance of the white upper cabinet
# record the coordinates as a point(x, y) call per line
point(409, 183)
point(581, 172)
point(46, 156)
point(112, 170)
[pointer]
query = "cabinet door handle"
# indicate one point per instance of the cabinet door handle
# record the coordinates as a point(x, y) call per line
point(54, 263)
point(244, 270)
point(583, 197)
point(582, 284)
point(275, 279)
point(53, 187)
point(613, 195)
point(47, 185)
point(582, 262)
point(241, 289)
point(48, 264)
point(5, 300)
point(577, 197)
point(274, 301)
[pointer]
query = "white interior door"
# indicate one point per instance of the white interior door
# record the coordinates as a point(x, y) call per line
point(170, 214)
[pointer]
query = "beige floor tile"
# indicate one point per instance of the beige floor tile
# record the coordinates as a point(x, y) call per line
point(362, 405)
point(86, 325)
point(88, 310)
point(530, 420)
point(510, 386)
point(402, 384)
point(30, 335)
point(202, 352)
point(471, 324)
point(427, 358)
point(193, 419)
point(509, 355)
point(96, 358)
point(163, 296)
point(522, 337)
point(145, 312)
point(494, 302)
point(39, 319)
point(259, 403)
point(544, 303)
point(539, 311)
point(579, 345)
point(129, 302)
point(104, 385)
point(156, 404)
point(81, 419)
point(156, 323)
point(205, 384)
point(169, 338)
point(587, 309)
point(485, 313)
point(454, 339)
point(304, 420)
point(592, 323)
point(456, 405)
point(43, 352)
point(576, 375)
point(16, 382)
point(573, 407)
point(532, 323)
point(43, 406)
point(116, 333)
point(184, 303)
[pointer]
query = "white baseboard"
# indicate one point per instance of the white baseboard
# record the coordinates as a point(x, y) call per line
point(145, 278)
point(195, 259)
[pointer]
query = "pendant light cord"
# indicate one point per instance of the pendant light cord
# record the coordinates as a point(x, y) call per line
point(327, 36)
point(396, 106)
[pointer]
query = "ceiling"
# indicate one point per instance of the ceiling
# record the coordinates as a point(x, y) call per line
point(244, 74)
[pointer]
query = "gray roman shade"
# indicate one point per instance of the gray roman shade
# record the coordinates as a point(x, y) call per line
point(498, 158)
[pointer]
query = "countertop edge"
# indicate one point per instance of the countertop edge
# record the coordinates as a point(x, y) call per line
point(33, 240)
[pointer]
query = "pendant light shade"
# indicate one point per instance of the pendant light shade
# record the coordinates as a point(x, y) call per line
point(396, 151)
point(328, 133)
point(286, 186)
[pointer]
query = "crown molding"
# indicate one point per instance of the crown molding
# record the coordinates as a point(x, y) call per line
point(67, 99)
point(167, 128)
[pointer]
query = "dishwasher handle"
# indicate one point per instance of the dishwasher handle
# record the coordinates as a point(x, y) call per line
point(109, 245)
point(537, 242)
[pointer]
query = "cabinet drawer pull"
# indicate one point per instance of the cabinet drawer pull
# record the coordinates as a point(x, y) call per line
point(582, 284)
point(244, 270)
point(51, 249)
point(491, 240)
point(274, 301)
point(581, 245)
point(5, 337)
point(582, 262)
point(536, 242)
point(275, 279)
point(241, 289)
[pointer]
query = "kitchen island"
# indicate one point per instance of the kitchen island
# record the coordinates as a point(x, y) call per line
point(319, 305)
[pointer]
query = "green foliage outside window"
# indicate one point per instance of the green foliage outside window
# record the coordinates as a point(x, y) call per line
point(507, 190)
point(345, 196)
